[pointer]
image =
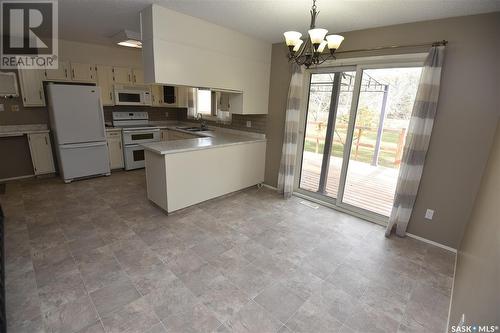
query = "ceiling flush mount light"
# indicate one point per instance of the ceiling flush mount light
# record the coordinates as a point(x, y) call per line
point(310, 51)
point(128, 38)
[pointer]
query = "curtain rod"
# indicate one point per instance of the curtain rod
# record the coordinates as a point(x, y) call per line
point(438, 43)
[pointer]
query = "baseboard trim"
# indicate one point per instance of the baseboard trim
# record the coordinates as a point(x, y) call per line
point(16, 178)
point(269, 187)
point(428, 241)
point(451, 297)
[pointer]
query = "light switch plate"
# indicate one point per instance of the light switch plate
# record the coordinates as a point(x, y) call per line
point(249, 123)
point(429, 214)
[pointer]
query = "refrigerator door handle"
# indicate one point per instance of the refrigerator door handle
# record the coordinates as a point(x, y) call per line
point(83, 145)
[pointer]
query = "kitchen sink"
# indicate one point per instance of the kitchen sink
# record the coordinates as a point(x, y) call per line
point(194, 129)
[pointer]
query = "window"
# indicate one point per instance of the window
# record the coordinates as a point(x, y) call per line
point(204, 101)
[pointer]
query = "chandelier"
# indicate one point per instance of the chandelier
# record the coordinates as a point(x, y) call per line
point(310, 51)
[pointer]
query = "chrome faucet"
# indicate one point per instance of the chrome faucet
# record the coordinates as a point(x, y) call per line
point(199, 117)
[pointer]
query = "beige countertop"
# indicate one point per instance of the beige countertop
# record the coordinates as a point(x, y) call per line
point(113, 129)
point(18, 130)
point(207, 140)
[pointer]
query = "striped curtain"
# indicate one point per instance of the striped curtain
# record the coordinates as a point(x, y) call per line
point(289, 150)
point(417, 141)
point(191, 111)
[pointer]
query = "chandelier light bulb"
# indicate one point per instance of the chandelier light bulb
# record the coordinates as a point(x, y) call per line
point(317, 36)
point(334, 41)
point(292, 38)
point(299, 44)
point(321, 46)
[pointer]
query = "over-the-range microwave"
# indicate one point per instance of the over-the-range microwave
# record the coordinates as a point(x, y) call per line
point(132, 95)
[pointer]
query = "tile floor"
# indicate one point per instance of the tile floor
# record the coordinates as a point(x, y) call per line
point(96, 256)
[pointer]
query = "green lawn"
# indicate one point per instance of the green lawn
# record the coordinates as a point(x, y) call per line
point(365, 154)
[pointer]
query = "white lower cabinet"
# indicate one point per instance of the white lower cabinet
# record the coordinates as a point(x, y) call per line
point(115, 149)
point(41, 153)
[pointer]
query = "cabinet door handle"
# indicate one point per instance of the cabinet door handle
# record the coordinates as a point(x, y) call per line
point(65, 73)
point(110, 95)
point(46, 142)
point(135, 79)
point(40, 94)
point(73, 73)
point(120, 144)
point(129, 78)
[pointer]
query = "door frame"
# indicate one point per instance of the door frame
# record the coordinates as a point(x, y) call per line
point(350, 64)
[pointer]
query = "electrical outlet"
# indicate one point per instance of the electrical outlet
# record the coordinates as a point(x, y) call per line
point(14, 107)
point(2, 107)
point(166, 114)
point(429, 214)
point(249, 123)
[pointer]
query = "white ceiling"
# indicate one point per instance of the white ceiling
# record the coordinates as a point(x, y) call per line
point(97, 20)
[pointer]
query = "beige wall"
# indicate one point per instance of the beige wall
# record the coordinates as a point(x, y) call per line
point(476, 291)
point(76, 52)
point(111, 55)
point(465, 122)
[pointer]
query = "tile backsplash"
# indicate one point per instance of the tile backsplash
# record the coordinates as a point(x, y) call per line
point(239, 122)
point(39, 115)
point(155, 113)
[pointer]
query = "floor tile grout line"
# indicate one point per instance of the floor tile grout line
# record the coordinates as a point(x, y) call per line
point(87, 290)
point(133, 283)
point(41, 314)
point(364, 237)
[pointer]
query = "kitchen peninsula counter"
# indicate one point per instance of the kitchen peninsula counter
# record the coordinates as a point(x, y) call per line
point(185, 172)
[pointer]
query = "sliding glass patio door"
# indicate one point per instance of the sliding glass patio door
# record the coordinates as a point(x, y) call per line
point(326, 131)
point(354, 133)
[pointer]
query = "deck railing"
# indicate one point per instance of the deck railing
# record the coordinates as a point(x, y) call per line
point(359, 131)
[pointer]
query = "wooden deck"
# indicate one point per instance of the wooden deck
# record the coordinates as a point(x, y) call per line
point(368, 187)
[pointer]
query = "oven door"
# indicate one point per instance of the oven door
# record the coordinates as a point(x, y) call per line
point(134, 157)
point(132, 137)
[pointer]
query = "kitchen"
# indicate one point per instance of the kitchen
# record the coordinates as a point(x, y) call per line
point(123, 95)
point(184, 169)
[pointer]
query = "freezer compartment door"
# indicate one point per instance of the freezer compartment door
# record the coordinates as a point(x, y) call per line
point(83, 160)
point(76, 113)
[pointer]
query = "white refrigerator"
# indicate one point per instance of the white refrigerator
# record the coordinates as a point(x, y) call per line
point(77, 123)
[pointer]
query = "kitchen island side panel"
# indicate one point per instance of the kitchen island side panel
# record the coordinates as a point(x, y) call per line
point(197, 176)
point(156, 178)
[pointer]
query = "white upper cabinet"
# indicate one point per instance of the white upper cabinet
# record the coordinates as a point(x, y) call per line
point(41, 153)
point(59, 74)
point(32, 87)
point(105, 82)
point(83, 72)
point(182, 97)
point(157, 95)
point(122, 75)
point(192, 52)
point(138, 76)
